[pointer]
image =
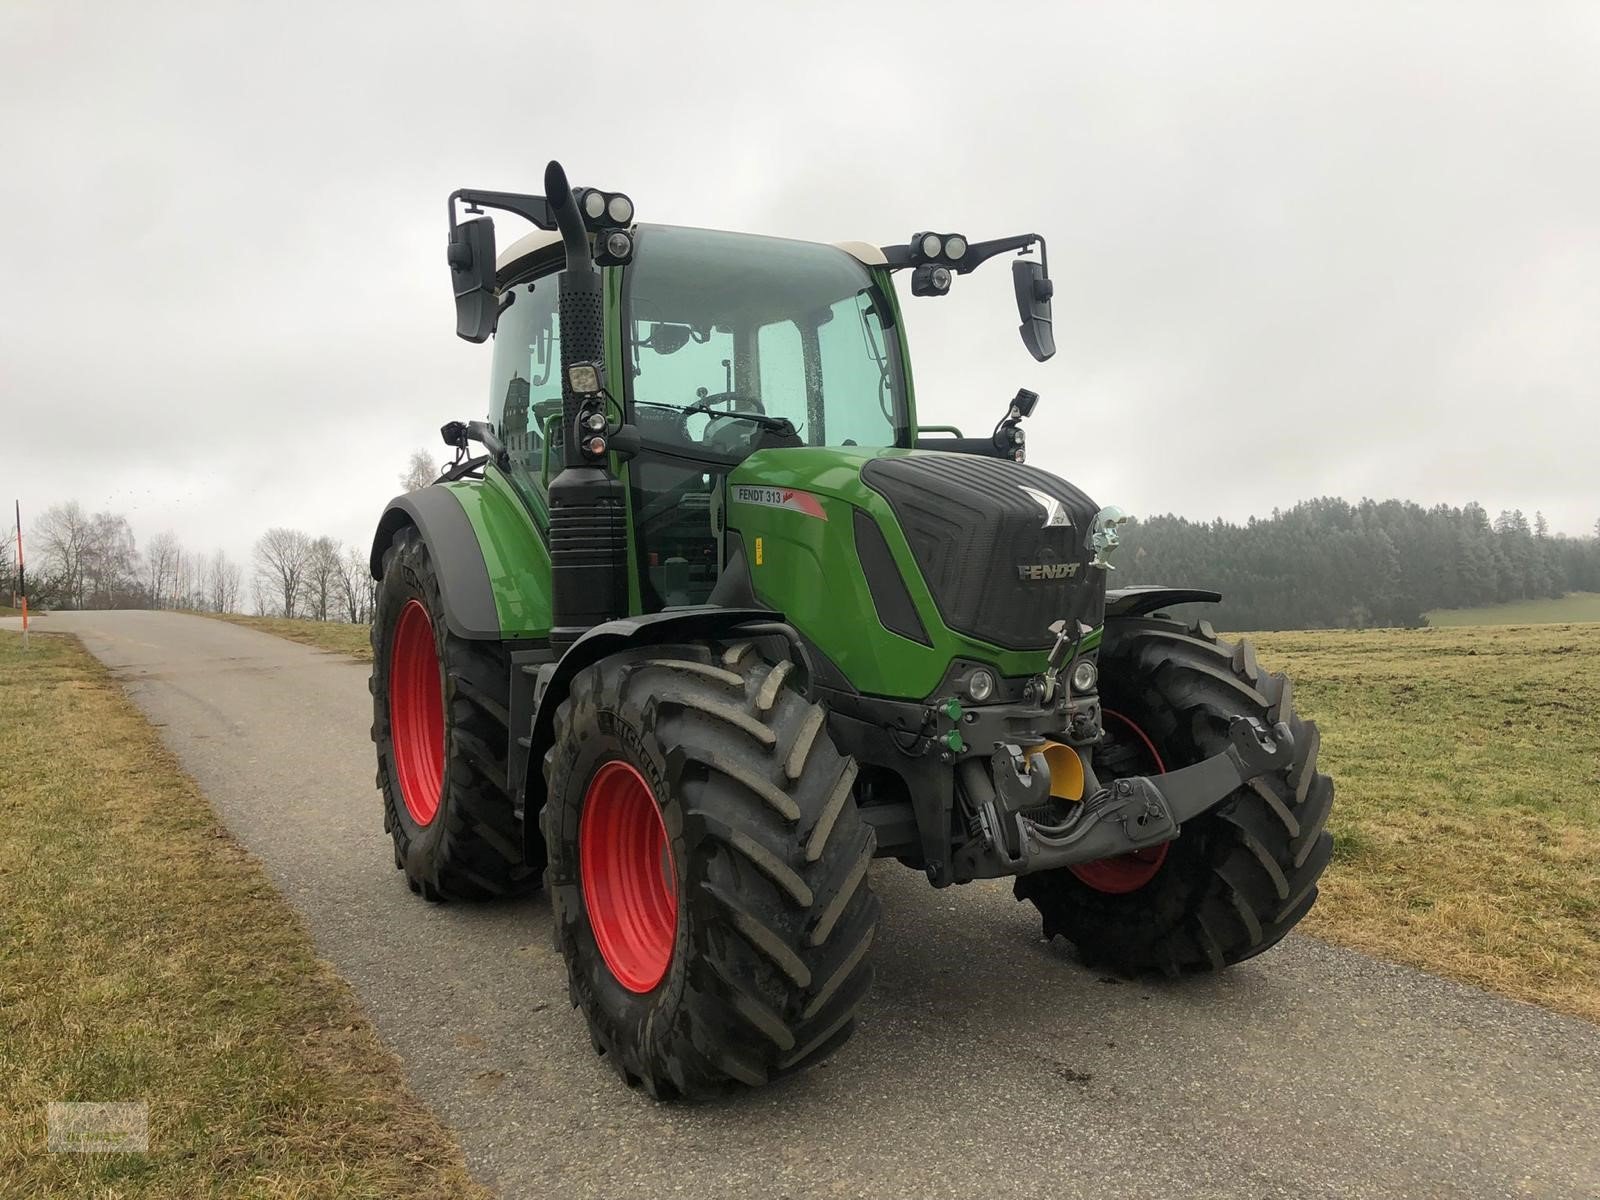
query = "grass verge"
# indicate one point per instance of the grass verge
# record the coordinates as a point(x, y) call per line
point(145, 956)
point(325, 635)
point(1468, 804)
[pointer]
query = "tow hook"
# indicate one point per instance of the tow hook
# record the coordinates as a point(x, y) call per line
point(1146, 810)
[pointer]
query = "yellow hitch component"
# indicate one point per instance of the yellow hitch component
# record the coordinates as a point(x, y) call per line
point(1066, 770)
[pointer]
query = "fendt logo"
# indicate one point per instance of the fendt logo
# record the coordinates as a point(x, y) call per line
point(1028, 572)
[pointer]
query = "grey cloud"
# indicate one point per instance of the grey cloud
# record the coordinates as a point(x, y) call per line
point(1299, 250)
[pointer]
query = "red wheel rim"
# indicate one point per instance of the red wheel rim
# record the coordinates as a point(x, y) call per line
point(629, 880)
point(416, 713)
point(1126, 872)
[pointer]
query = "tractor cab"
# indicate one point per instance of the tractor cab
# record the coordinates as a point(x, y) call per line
point(718, 345)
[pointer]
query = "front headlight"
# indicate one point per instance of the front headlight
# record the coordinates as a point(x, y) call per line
point(1085, 675)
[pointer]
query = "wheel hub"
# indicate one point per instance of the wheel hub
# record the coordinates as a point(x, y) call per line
point(627, 876)
point(416, 713)
point(1127, 872)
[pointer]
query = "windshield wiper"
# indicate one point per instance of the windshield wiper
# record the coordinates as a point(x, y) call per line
point(780, 424)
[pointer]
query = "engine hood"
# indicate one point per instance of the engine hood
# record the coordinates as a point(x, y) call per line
point(956, 555)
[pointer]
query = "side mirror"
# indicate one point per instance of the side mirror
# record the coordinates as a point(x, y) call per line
point(1034, 289)
point(471, 257)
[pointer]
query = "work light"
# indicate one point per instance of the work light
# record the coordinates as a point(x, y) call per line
point(605, 210)
point(980, 685)
point(584, 379)
point(948, 248)
point(930, 280)
point(1085, 675)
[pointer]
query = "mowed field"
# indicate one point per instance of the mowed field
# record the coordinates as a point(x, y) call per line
point(1574, 606)
point(1467, 762)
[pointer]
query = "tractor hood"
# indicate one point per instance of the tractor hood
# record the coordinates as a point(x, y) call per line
point(954, 555)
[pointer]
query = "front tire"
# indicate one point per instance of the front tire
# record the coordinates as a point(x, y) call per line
point(708, 869)
point(1242, 874)
point(439, 713)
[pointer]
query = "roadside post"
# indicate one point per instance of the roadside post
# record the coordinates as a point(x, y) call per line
point(22, 578)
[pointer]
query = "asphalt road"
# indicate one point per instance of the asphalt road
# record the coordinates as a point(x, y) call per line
point(986, 1062)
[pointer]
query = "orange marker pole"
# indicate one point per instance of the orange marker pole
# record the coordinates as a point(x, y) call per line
point(22, 578)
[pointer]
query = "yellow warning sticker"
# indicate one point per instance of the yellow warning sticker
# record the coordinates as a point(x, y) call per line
point(758, 552)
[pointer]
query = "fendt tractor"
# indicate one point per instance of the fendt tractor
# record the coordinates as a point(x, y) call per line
point(701, 621)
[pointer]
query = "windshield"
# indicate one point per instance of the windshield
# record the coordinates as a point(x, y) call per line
point(731, 323)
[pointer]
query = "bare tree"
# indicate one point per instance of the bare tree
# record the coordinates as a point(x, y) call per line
point(281, 559)
point(322, 572)
point(8, 564)
point(110, 578)
point(222, 583)
point(355, 586)
point(161, 568)
point(63, 536)
point(419, 472)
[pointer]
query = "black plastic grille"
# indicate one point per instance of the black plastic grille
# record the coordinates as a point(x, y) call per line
point(977, 537)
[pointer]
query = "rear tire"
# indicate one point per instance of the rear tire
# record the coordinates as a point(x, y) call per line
point(442, 770)
point(762, 966)
point(1242, 874)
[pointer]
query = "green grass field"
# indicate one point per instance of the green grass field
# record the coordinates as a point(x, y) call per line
point(1467, 763)
point(1574, 606)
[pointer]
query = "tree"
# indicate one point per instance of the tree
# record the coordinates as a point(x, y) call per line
point(161, 568)
point(222, 583)
point(62, 535)
point(355, 587)
point(419, 472)
point(1541, 527)
point(109, 563)
point(281, 559)
point(8, 563)
point(322, 570)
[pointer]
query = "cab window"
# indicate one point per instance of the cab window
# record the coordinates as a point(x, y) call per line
point(525, 385)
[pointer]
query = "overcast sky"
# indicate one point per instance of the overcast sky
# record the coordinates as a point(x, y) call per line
point(1298, 250)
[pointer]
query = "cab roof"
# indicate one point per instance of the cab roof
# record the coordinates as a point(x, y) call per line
point(539, 240)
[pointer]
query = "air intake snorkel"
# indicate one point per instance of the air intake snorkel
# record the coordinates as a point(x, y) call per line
point(588, 525)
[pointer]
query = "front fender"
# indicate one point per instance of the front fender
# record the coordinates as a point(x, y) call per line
point(446, 530)
point(1147, 598)
point(554, 680)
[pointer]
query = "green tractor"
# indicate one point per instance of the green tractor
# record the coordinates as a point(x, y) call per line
point(711, 622)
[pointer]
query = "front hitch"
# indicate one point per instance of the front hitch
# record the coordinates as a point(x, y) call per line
point(1131, 814)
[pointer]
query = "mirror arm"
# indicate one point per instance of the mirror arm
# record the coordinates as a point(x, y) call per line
point(897, 258)
point(979, 253)
point(483, 433)
point(530, 208)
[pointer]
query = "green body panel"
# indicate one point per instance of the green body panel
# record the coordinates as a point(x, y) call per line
point(513, 551)
point(807, 568)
